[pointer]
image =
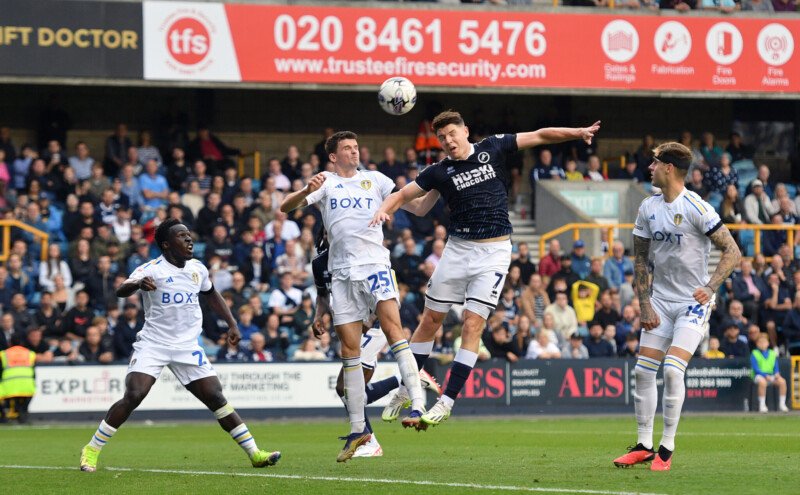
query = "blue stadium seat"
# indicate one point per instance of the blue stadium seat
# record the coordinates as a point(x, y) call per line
point(747, 239)
point(264, 299)
point(257, 185)
point(744, 166)
point(200, 250)
point(791, 189)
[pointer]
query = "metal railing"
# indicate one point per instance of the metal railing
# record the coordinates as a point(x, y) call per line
point(611, 227)
point(6, 226)
point(256, 156)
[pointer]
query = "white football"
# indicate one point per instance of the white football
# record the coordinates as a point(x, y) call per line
point(397, 95)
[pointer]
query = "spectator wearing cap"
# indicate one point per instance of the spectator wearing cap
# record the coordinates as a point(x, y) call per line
point(581, 264)
point(616, 266)
point(551, 262)
point(574, 348)
point(125, 331)
point(731, 345)
point(564, 317)
point(523, 260)
point(597, 346)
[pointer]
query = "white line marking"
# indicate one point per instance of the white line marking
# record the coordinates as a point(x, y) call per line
point(476, 486)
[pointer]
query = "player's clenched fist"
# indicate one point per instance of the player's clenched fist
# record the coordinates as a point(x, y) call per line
point(147, 284)
point(315, 182)
point(649, 317)
point(703, 295)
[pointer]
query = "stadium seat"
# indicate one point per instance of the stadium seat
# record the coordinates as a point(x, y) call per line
point(257, 185)
point(791, 189)
point(747, 239)
point(264, 299)
point(744, 166)
point(200, 250)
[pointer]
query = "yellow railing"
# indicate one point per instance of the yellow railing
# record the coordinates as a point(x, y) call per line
point(6, 225)
point(611, 227)
point(795, 379)
point(256, 156)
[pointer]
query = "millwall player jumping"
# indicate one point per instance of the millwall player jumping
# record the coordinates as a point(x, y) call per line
point(171, 286)
point(672, 237)
point(475, 262)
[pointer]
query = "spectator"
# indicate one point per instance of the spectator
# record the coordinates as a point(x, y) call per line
point(731, 210)
point(94, 349)
point(407, 266)
point(309, 352)
point(508, 309)
point(209, 148)
point(630, 172)
point(20, 166)
point(736, 314)
point(514, 281)
point(791, 323)
point(597, 346)
point(292, 263)
point(643, 156)
point(596, 274)
point(564, 317)
point(78, 318)
point(713, 351)
point(19, 310)
point(574, 348)
point(436, 253)
point(147, 151)
point(616, 266)
point(784, 5)
point(277, 340)
point(724, 6)
point(54, 265)
point(748, 288)
point(731, 345)
point(246, 326)
point(765, 370)
point(257, 270)
point(48, 317)
point(81, 163)
point(131, 188)
point(571, 170)
point(303, 318)
point(711, 151)
point(580, 262)
point(593, 172)
point(34, 342)
point(755, 6)
point(606, 315)
point(609, 334)
point(542, 348)
point(551, 263)
point(154, 187)
point(498, 341)
point(526, 266)
point(757, 205)
point(777, 304)
point(258, 352)
point(584, 298)
point(232, 353)
point(101, 284)
point(7, 330)
point(390, 166)
point(116, 150)
point(782, 203)
point(291, 163)
point(696, 184)
point(719, 177)
point(65, 352)
point(523, 336)
point(736, 148)
point(630, 347)
point(285, 300)
point(125, 331)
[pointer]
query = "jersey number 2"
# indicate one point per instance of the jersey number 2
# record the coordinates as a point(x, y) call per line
point(199, 355)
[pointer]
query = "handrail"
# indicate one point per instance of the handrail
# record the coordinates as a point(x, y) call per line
point(576, 228)
point(6, 225)
point(256, 155)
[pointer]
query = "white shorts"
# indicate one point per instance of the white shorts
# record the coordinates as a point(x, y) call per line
point(683, 324)
point(356, 292)
point(372, 343)
point(469, 271)
point(187, 365)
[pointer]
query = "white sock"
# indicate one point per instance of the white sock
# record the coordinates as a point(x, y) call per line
point(674, 394)
point(102, 435)
point(762, 401)
point(782, 400)
point(645, 398)
point(410, 373)
point(354, 395)
point(244, 438)
point(421, 347)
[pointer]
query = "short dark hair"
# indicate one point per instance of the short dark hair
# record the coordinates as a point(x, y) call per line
point(162, 232)
point(332, 144)
point(446, 118)
point(675, 153)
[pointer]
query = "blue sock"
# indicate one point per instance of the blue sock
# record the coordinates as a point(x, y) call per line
point(379, 389)
point(421, 359)
point(366, 422)
point(459, 372)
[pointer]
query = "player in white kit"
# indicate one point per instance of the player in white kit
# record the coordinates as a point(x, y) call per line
point(672, 239)
point(171, 286)
point(360, 269)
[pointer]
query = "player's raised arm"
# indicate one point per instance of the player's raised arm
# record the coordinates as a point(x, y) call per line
point(641, 281)
point(421, 206)
point(297, 199)
point(217, 304)
point(130, 286)
point(396, 200)
point(553, 135)
point(731, 256)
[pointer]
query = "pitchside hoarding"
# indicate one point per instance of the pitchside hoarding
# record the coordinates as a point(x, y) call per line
point(71, 39)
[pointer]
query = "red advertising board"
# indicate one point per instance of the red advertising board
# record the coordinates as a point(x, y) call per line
point(347, 45)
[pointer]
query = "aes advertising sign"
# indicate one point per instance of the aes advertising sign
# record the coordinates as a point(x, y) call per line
point(71, 39)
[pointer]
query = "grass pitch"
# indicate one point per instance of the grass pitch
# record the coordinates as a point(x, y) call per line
point(715, 454)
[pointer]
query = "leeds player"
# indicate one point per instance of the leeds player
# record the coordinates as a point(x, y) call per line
point(478, 253)
point(372, 343)
point(672, 237)
point(171, 286)
point(361, 274)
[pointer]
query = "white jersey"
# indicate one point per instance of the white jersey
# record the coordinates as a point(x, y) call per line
point(348, 205)
point(172, 314)
point(679, 243)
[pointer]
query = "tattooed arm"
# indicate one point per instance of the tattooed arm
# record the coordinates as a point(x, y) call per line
point(641, 280)
point(731, 255)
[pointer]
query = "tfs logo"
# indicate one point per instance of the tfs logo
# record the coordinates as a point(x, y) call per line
point(188, 41)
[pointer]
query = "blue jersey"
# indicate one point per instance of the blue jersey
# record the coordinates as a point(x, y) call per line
point(475, 188)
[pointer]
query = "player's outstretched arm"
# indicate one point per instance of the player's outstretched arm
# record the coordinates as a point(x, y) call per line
point(395, 200)
point(130, 286)
point(641, 280)
point(323, 308)
point(217, 304)
point(297, 199)
point(554, 135)
point(421, 206)
point(731, 256)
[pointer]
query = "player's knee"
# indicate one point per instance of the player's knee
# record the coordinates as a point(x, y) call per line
point(215, 400)
point(134, 397)
point(673, 377)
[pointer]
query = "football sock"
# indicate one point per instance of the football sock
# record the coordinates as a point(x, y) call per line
point(376, 390)
point(674, 394)
point(664, 453)
point(459, 372)
point(781, 399)
point(421, 351)
point(244, 438)
point(102, 435)
point(409, 373)
point(762, 401)
point(645, 398)
point(354, 395)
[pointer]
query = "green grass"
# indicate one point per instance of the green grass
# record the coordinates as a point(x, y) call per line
point(716, 454)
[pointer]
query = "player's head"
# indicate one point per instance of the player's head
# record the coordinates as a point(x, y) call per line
point(342, 149)
point(452, 133)
point(671, 163)
point(174, 238)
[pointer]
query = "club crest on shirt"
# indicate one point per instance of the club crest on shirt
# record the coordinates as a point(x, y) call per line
point(678, 219)
point(196, 278)
point(483, 157)
point(366, 184)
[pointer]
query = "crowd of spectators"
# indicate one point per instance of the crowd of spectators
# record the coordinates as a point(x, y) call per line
point(100, 214)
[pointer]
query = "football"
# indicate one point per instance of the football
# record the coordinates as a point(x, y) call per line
point(397, 95)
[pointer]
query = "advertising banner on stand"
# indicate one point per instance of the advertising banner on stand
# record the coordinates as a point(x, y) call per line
point(354, 45)
point(71, 39)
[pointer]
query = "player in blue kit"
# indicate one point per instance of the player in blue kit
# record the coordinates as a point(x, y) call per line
point(472, 180)
point(171, 287)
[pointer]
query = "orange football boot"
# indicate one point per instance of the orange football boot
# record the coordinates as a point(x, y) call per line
point(636, 455)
